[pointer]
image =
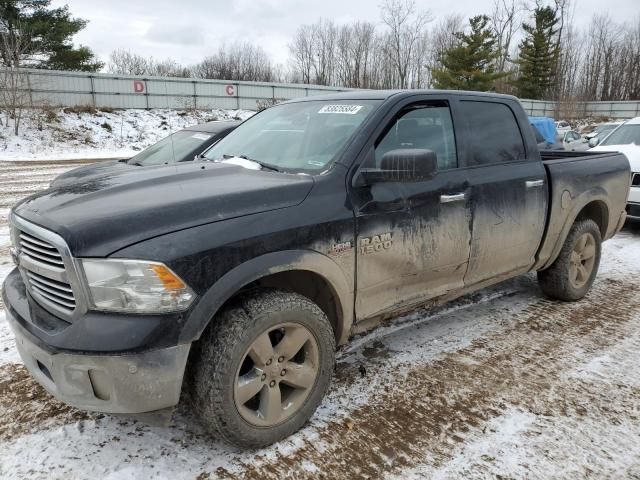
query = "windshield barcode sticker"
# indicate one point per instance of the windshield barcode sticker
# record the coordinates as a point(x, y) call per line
point(201, 136)
point(348, 109)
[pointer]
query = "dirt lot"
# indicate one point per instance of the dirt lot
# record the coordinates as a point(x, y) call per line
point(500, 384)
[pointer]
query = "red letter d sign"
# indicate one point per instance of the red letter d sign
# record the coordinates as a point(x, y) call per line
point(138, 86)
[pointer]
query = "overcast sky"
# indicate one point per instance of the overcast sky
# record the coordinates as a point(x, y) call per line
point(188, 30)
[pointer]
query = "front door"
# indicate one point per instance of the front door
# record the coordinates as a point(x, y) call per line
point(413, 237)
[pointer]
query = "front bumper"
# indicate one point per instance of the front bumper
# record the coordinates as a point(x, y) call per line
point(106, 382)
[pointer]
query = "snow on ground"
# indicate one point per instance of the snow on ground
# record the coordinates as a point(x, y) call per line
point(69, 134)
point(499, 384)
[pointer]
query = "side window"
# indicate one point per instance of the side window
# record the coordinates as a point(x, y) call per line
point(493, 132)
point(423, 126)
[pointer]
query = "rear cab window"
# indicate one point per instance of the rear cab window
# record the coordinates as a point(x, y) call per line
point(493, 133)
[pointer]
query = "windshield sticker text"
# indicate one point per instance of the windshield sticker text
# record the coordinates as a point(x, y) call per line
point(201, 136)
point(348, 109)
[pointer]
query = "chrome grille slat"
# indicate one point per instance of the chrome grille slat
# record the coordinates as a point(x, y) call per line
point(26, 251)
point(54, 255)
point(52, 290)
point(50, 282)
point(29, 238)
point(67, 305)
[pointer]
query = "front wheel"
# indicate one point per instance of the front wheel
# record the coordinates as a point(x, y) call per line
point(570, 277)
point(262, 368)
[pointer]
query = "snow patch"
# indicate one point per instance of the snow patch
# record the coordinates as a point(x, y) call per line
point(66, 135)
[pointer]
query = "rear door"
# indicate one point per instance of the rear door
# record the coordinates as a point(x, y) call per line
point(413, 237)
point(508, 190)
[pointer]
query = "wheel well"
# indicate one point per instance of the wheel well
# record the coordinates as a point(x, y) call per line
point(598, 212)
point(307, 283)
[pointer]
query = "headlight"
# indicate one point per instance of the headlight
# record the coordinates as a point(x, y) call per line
point(135, 286)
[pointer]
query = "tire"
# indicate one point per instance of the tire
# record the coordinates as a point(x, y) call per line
point(224, 357)
point(559, 281)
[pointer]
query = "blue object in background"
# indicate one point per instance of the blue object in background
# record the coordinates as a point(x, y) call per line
point(546, 126)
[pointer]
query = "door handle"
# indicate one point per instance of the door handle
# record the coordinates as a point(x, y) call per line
point(534, 183)
point(452, 198)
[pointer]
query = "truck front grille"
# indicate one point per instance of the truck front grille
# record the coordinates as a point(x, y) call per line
point(635, 180)
point(40, 250)
point(47, 268)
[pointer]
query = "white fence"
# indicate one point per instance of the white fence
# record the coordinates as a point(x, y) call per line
point(570, 110)
point(67, 89)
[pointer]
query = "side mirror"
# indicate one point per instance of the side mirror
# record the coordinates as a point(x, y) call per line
point(402, 165)
point(593, 142)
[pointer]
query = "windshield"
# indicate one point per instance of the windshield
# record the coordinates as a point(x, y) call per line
point(299, 137)
point(624, 135)
point(601, 130)
point(171, 149)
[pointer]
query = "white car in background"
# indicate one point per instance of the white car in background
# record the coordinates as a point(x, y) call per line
point(562, 127)
point(626, 139)
point(602, 130)
point(572, 141)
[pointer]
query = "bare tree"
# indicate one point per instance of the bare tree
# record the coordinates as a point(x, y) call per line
point(238, 61)
point(506, 21)
point(324, 40)
point(15, 90)
point(302, 50)
point(406, 26)
point(124, 62)
point(443, 38)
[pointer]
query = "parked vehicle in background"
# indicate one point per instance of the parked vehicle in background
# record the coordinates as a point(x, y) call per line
point(181, 146)
point(626, 139)
point(562, 126)
point(574, 142)
point(601, 131)
point(314, 220)
point(544, 128)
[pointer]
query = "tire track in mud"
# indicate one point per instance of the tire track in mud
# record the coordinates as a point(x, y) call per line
point(425, 415)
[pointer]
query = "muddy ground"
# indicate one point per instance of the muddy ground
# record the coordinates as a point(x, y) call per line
point(500, 384)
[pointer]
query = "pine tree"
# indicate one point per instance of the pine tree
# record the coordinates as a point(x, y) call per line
point(538, 55)
point(470, 64)
point(47, 33)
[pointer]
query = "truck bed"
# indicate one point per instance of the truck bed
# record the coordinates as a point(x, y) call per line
point(595, 180)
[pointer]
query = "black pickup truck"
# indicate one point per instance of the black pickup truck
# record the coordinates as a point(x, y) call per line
point(235, 277)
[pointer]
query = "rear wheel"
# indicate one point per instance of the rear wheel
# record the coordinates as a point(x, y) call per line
point(571, 275)
point(262, 368)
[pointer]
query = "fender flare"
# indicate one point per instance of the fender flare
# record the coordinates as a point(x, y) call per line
point(232, 281)
point(594, 195)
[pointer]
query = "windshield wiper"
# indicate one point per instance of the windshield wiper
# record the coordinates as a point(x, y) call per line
point(264, 166)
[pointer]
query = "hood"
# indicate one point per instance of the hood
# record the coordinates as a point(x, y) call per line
point(89, 171)
point(108, 212)
point(631, 151)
